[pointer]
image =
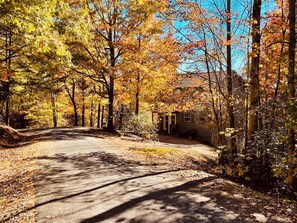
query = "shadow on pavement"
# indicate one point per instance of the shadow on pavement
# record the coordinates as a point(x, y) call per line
point(64, 134)
point(200, 200)
point(30, 136)
point(128, 191)
point(156, 195)
point(61, 168)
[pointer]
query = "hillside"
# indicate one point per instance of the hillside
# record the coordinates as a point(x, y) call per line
point(9, 136)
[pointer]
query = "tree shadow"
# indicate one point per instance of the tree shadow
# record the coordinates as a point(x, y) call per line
point(86, 164)
point(202, 200)
point(63, 134)
point(156, 195)
point(30, 136)
point(60, 169)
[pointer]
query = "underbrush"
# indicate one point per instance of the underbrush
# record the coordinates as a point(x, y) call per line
point(142, 126)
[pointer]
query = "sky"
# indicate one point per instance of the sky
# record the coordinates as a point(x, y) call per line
point(239, 11)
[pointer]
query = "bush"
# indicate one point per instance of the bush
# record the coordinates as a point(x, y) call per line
point(141, 125)
point(263, 164)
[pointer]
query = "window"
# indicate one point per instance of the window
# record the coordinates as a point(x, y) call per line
point(173, 119)
point(187, 117)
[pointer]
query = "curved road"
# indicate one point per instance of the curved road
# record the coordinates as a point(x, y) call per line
point(83, 178)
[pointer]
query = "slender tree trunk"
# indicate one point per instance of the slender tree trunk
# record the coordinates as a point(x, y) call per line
point(137, 95)
point(110, 126)
point(291, 85)
point(8, 67)
point(83, 108)
point(98, 116)
point(72, 98)
point(246, 119)
point(233, 149)
point(137, 83)
point(121, 117)
point(102, 116)
point(279, 71)
point(247, 95)
point(281, 56)
point(75, 115)
point(91, 115)
point(74, 105)
point(7, 103)
point(254, 72)
point(214, 109)
point(54, 109)
point(210, 88)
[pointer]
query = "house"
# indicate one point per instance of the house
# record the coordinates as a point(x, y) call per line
point(201, 114)
point(187, 124)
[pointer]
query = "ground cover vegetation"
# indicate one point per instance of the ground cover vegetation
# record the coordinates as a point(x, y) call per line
point(98, 63)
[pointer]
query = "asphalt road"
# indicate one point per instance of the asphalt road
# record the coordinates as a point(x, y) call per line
point(82, 178)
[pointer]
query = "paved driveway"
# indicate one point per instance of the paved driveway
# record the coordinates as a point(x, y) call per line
point(86, 179)
point(82, 178)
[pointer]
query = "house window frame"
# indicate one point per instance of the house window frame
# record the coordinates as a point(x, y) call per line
point(187, 117)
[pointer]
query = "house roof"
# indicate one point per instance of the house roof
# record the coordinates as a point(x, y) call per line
point(190, 80)
point(187, 81)
point(193, 80)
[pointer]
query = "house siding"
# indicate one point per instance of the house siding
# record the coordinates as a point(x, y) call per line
point(193, 129)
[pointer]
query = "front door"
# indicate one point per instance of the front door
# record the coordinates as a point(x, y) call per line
point(169, 123)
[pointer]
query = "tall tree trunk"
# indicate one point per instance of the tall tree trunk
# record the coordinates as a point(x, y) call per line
point(102, 116)
point(98, 116)
point(137, 95)
point(210, 88)
point(91, 114)
point(291, 84)
point(279, 71)
point(83, 108)
point(254, 72)
point(137, 83)
point(72, 98)
point(54, 109)
point(7, 103)
point(110, 126)
point(74, 104)
point(281, 56)
point(233, 149)
point(121, 117)
point(247, 95)
point(8, 70)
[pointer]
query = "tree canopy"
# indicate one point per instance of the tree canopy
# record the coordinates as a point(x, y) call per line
point(70, 62)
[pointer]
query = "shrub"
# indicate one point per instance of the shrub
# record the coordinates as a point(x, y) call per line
point(141, 125)
point(262, 164)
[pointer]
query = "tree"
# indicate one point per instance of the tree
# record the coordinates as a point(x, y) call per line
point(113, 24)
point(151, 65)
point(292, 152)
point(71, 91)
point(25, 31)
point(254, 72)
point(233, 149)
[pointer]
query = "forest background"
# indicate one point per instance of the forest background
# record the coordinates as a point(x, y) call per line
point(86, 62)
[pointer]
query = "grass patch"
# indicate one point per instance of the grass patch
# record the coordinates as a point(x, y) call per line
point(178, 158)
point(158, 152)
point(158, 155)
